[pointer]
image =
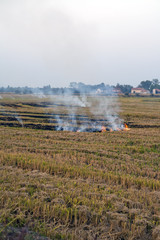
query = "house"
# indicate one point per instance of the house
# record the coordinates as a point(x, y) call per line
point(117, 91)
point(139, 91)
point(156, 91)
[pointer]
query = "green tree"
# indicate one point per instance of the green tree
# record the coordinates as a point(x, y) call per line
point(145, 84)
point(124, 88)
point(155, 84)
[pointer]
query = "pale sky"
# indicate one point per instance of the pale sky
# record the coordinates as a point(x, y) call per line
point(91, 41)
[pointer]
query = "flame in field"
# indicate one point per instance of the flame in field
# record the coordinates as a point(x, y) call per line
point(103, 129)
point(126, 128)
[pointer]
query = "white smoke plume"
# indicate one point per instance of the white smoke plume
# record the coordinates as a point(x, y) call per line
point(83, 111)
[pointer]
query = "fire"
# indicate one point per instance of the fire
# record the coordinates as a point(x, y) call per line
point(103, 129)
point(126, 128)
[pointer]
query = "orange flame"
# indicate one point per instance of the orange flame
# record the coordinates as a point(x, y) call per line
point(126, 128)
point(103, 129)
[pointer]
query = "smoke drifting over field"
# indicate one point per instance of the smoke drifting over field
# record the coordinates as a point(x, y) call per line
point(99, 111)
point(80, 112)
point(13, 115)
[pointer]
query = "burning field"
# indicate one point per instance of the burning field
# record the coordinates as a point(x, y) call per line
point(72, 169)
point(66, 113)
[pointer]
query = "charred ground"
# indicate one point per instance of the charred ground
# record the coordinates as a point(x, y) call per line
point(79, 185)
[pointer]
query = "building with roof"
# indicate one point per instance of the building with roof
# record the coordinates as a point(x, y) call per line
point(156, 91)
point(139, 91)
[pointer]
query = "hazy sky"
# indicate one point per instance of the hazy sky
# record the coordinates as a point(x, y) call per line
point(92, 41)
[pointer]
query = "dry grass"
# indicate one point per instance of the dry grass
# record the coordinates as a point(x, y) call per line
point(68, 185)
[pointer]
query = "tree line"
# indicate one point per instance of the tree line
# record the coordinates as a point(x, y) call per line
point(76, 88)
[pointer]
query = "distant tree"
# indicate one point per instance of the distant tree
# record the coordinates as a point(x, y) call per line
point(126, 89)
point(155, 81)
point(81, 85)
point(101, 86)
point(47, 89)
point(2, 89)
point(145, 84)
point(73, 85)
point(150, 85)
point(18, 90)
point(155, 84)
point(27, 90)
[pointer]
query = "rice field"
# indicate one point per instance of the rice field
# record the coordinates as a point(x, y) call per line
point(78, 185)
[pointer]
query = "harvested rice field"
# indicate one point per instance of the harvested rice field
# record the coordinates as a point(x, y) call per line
point(90, 185)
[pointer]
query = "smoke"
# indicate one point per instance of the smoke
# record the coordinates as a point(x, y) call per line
point(39, 95)
point(80, 109)
point(18, 119)
point(72, 105)
point(13, 115)
point(85, 112)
